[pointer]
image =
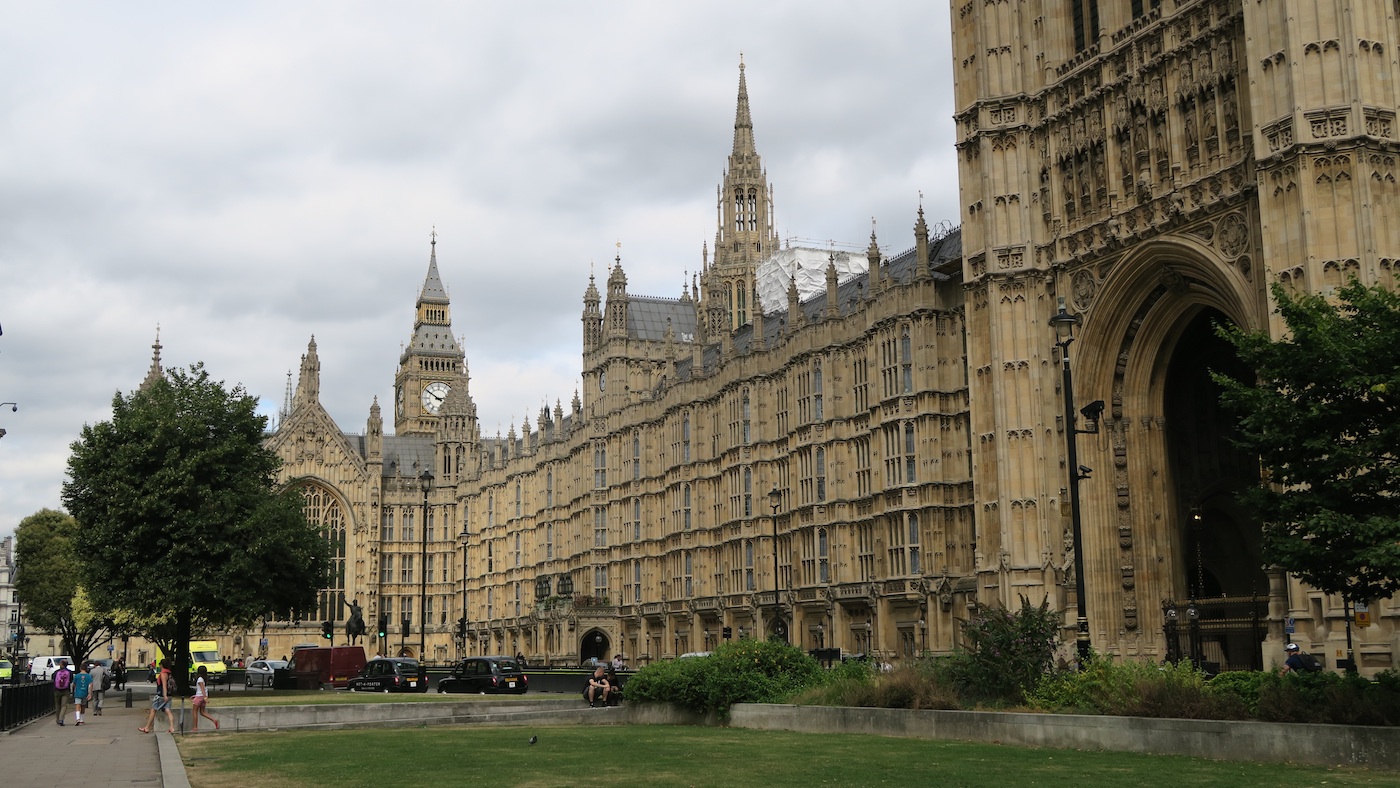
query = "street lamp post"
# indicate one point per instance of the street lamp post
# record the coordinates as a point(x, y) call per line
point(775, 499)
point(1064, 324)
point(426, 481)
point(464, 588)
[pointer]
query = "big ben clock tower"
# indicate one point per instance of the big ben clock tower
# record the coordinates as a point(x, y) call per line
point(431, 363)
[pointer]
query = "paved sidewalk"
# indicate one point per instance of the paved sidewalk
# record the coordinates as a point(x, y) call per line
point(105, 750)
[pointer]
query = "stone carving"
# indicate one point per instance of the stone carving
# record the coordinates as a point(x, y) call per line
point(1232, 235)
point(1085, 287)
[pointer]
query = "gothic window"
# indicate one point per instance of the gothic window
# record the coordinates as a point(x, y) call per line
point(782, 411)
point(549, 541)
point(909, 459)
point(517, 548)
point(490, 556)
point(490, 603)
point(748, 565)
point(518, 498)
point(600, 526)
point(860, 384)
point(428, 609)
point(809, 557)
point(637, 519)
point(741, 298)
point(753, 209)
point(406, 569)
point(1084, 15)
point(745, 417)
point(549, 488)
point(407, 604)
point(689, 580)
point(820, 472)
point(408, 530)
point(823, 557)
point(517, 599)
point(862, 453)
point(600, 581)
point(323, 510)
point(600, 466)
point(490, 509)
point(738, 210)
point(817, 412)
point(685, 438)
point(906, 360)
point(386, 568)
point(685, 507)
point(636, 456)
point(636, 582)
point(386, 532)
point(748, 492)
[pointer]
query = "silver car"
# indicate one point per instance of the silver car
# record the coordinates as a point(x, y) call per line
point(260, 671)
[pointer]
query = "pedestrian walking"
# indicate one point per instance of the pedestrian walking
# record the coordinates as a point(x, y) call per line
point(82, 692)
point(101, 682)
point(160, 700)
point(119, 673)
point(201, 699)
point(62, 686)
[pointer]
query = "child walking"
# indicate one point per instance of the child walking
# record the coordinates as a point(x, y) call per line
point(201, 699)
point(82, 685)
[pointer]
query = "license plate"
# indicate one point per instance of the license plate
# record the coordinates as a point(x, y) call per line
point(412, 683)
point(510, 684)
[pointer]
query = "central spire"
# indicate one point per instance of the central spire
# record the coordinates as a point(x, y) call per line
point(743, 121)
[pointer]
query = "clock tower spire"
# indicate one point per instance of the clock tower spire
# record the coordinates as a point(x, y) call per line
point(432, 362)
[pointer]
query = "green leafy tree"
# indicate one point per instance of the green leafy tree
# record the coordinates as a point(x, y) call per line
point(184, 524)
point(47, 548)
point(1322, 418)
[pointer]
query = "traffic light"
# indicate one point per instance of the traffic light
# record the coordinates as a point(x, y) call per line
point(462, 628)
point(383, 626)
point(728, 633)
point(327, 630)
point(407, 622)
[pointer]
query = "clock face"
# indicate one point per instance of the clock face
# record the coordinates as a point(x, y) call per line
point(400, 400)
point(434, 394)
point(602, 381)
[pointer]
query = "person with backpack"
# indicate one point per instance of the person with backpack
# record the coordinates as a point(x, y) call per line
point(160, 699)
point(62, 685)
point(101, 682)
point(1300, 661)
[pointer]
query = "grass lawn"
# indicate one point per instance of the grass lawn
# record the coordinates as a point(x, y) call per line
point(683, 756)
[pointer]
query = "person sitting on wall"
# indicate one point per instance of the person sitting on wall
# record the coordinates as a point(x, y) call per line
point(598, 688)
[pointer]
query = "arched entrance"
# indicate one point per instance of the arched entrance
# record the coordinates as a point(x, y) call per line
point(1219, 542)
point(594, 645)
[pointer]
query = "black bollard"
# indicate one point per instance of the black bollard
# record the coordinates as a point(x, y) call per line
point(128, 697)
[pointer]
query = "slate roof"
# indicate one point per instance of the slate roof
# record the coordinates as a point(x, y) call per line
point(647, 316)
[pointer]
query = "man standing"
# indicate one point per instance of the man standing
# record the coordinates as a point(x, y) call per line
point(62, 685)
point(101, 681)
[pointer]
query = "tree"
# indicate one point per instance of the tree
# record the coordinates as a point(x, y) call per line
point(46, 583)
point(178, 498)
point(1322, 418)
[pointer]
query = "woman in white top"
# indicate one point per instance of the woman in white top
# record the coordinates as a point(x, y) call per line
point(201, 699)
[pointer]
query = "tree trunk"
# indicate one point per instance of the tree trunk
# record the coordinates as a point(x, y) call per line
point(182, 651)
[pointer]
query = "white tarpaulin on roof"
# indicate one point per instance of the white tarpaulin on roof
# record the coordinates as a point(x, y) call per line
point(809, 266)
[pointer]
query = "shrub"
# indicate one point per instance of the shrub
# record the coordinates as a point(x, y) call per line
point(1134, 688)
point(1006, 653)
point(744, 671)
point(1328, 697)
point(1240, 689)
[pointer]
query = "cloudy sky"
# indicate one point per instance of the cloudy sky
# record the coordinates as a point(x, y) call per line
point(247, 175)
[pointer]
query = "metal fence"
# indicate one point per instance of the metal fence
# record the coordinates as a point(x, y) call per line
point(1224, 633)
point(20, 703)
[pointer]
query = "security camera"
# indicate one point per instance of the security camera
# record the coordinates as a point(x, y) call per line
point(1084, 471)
point(1093, 410)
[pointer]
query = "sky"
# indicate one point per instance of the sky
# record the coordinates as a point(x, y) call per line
point(247, 175)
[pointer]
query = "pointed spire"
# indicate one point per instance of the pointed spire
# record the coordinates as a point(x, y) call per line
point(156, 372)
point(872, 258)
point(309, 384)
point(833, 308)
point(757, 343)
point(743, 122)
point(286, 401)
point(433, 291)
point(921, 242)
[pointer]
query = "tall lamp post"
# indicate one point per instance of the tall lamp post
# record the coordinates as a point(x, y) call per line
point(464, 588)
point(775, 499)
point(1064, 324)
point(426, 481)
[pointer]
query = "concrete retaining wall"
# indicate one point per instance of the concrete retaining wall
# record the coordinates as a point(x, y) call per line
point(400, 715)
point(1322, 745)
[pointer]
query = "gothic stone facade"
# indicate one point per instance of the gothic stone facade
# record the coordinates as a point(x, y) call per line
point(1156, 166)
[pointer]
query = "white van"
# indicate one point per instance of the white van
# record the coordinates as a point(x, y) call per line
point(42, 668)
